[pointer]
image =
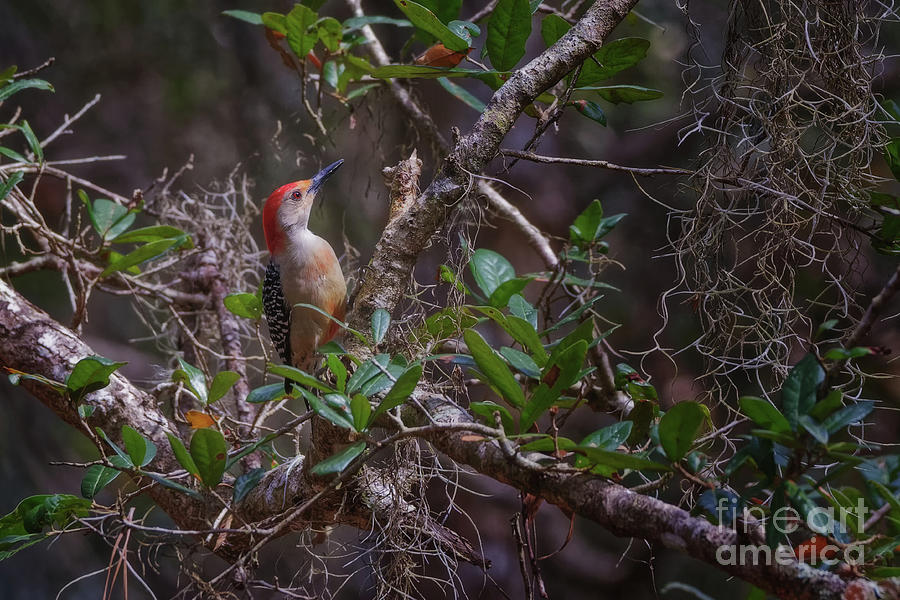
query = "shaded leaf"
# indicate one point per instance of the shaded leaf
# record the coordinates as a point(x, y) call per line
point(98, 477)
point(507, 32)
point(405, 385)
point(426, 20)
point(494, 368)
point(244, 484)
point(798, 394)
point(23, 84)
point(462, 93)
point(140, 449)
point(209, 451)
point(182, 455)
point(678, 428)
point(381, 320)
point(244, 15)
point(220, 385)
point(266, 393)
point(611, 58)
point(90, 374)
point(338, 462)
point(629, 94)
point(193, 378)
point(764, 414)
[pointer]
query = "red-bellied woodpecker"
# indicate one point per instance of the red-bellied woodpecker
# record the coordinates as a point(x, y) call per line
point(303, 269)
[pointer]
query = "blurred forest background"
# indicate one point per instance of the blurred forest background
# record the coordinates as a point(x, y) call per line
point(178, 80)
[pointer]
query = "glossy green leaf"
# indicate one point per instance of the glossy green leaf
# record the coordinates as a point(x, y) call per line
point(629, 94)
point(679, 427)
point(140, 449)
point(591, 110)
point(301, 32)
point(490, 269)
point(142, 254)
point(553, 27)
point(507, 32)
point(338, 462)
point(494, 368)
point(340, 417)
point(298, 376)
point(520, 307)
point(618, 460)
point(764, 414)
point(23, 84)
point(361, 410)
point(462, 93)
point(521, 362)
point(591, 225)
point(427, 21)
point(90, 374)
point(848, 415)
point(10, 153)
point(33, 141)
point(244, 484)
point(266, 393)
point(182, 455)
point(244, 304)
point(355, 23)
point(609, 438)
point(500, 296)
point(193, 379)
point(814, 428)
point(800, 389)
point(486, 410)
point(405, 385)
point(97, 477)
point(381, 320)
point(244, 15)
point(220, 385)
point(566, 366)
point(612, 58)
point(329, 31)
point(209, 451)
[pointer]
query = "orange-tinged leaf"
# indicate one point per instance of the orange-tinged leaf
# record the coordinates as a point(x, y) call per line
point(199, 420)
point(441, 56)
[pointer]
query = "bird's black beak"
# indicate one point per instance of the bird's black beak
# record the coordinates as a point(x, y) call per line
point(324, 174)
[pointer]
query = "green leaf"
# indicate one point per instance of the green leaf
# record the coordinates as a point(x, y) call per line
point(764, 414)
point(98, 477)
point(89, 375)
point(7, 186)
point(494, 368)
point(338, 462)
point(193, 378)
point(847, 354)
point(140, 255)
point(275, 22)
point(462, 93)
point(244, 484)
point(464, 29)
point(266, 393)
point(591, 110)
point(618, 460)
point(339, 371)
point(33, 141)
point(244, 304)
point(108, 218)
point(422, 71)
point(301, 32)
point(355, 23)
point(298, 376)
point(244, 15)
point(121, 453)
point(427, 21)
point(85, 411)
point(553, 27)
point(507, 32)
point(6, 74)
point(381, 320)
point(678, 428)
point(613, 57)
point(150, 234)
point(24, 526)
point(609, 438)
point(361, 410)
point(521, 361)
point(848, 416)
point(590, 225)
point(815, 429)
point(313, 4)
point(520, 307)
point(10, 153)
point(629, 94)
point(892, 156)
point(182, 456)
point(140, 449)
point(567, 365)
point(486, 410)
point(798, 394)
point(827, 405)
point(209, 451)
point(445, 10)
point(23, 84)
point(500, 296)
point(367, 371)
point(400, 391)
point(490, 269)
point(329, 31)
point(173, 484)
point(220, 385)
point(340, 416)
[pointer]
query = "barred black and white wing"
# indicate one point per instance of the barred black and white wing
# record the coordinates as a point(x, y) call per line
point(278, 315)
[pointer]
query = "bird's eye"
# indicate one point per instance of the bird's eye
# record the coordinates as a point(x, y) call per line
point(295, 195)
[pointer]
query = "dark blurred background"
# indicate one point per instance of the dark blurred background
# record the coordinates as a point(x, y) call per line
point(177, 80)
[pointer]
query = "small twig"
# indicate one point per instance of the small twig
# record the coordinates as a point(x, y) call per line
point(68, 121)
point(36, 69)
point(602, 164)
